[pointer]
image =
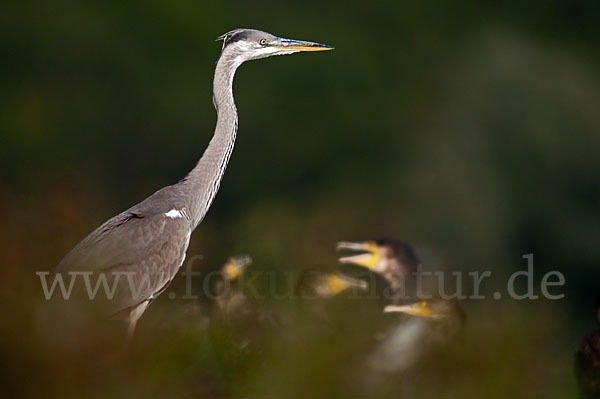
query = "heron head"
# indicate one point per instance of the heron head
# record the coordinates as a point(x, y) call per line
point(251, 44)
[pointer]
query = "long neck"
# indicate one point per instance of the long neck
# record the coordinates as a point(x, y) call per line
point(202, 183)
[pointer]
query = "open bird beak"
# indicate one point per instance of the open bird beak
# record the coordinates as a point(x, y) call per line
point(292, 46)
point(369, 259)
point(418, 309)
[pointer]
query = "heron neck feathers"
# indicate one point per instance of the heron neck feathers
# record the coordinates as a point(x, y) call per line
point(202, 183)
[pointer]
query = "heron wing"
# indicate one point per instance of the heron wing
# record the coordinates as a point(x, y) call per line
point(141, 251)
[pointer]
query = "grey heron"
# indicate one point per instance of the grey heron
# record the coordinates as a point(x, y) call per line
point(141, 249)
point(587, 362)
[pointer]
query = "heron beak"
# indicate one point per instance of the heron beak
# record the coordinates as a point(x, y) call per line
point(418, 309)
point(339, 283)
point(369, 259)
point(288, 45)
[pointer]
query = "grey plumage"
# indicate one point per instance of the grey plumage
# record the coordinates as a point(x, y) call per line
point(150, 239)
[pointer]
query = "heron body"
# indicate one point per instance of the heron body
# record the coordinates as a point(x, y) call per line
point(141, 249)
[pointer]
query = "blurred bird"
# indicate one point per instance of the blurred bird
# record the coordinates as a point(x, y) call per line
point(433, 325)
point(240, 314)
point(140, 250)
point(446, 317)
point(220, 306)
point(229, 300)
point(395, 261)
point(430, 324)
point(318, 282)
point(316, 289)
point(587, 362)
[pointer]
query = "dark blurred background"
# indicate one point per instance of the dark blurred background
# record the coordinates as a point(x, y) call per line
point(469, 129)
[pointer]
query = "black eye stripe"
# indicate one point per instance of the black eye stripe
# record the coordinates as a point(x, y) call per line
point(237, 37)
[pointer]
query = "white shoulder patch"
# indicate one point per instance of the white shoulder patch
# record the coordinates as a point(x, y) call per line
point(174, 213)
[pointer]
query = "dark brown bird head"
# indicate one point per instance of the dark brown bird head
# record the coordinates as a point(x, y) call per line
point(380, 255)
point(391, 258)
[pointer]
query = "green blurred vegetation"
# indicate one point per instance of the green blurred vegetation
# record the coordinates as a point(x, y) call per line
point(471, 130)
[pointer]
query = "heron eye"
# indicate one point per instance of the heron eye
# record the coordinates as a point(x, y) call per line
point(263, 42)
